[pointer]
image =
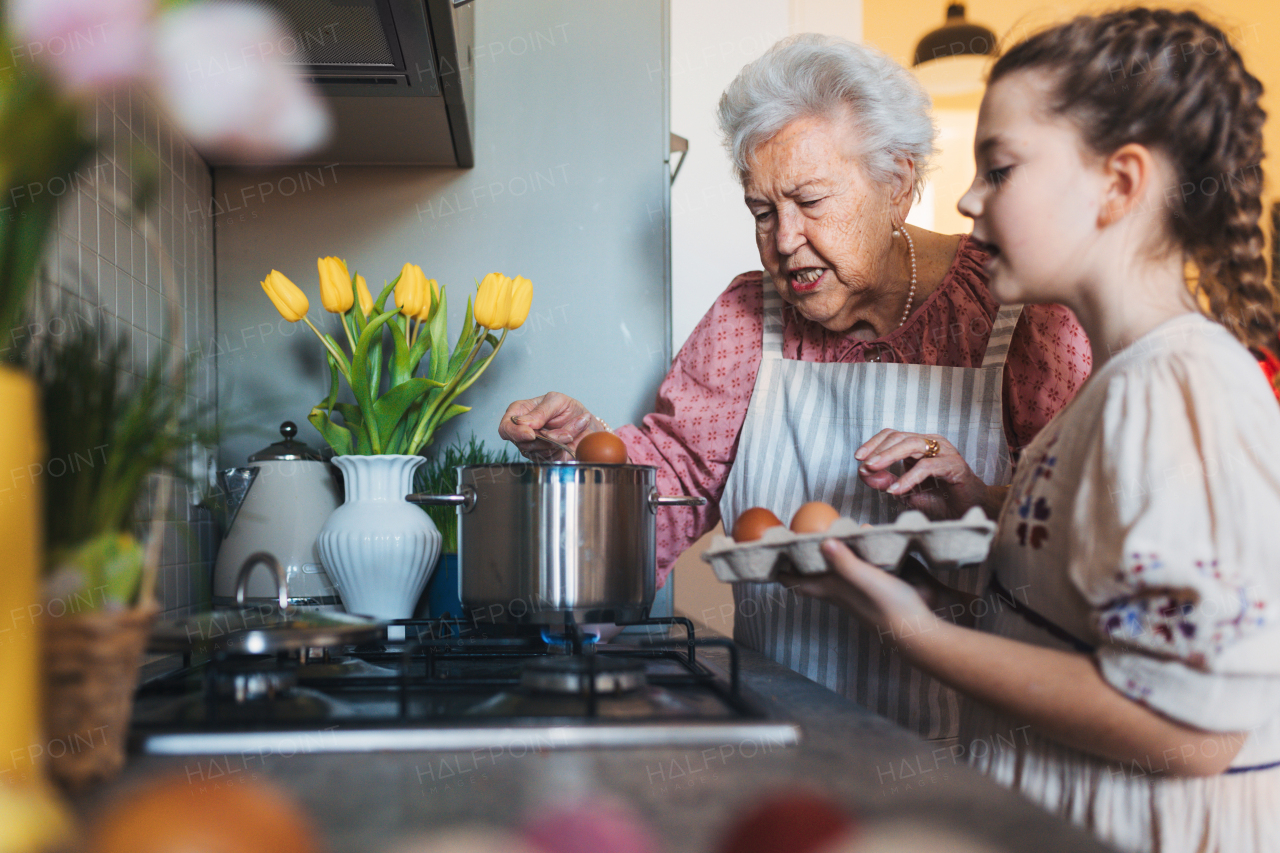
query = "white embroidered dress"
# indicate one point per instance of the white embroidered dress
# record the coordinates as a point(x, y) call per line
point(1143, 526)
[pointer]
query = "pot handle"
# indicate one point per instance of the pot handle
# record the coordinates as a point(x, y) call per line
point(277, 574)
point(656, 500)
point(466, 500)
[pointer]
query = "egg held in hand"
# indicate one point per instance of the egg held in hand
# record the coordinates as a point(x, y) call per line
point(601, 448)
point(752, 524)
point(813, 517)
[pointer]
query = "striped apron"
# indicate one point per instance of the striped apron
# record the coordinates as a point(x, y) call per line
point(804, 422)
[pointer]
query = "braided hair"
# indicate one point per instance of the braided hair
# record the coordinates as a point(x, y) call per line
point(1173, 82)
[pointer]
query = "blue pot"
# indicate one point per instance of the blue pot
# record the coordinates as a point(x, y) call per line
point(443, 590)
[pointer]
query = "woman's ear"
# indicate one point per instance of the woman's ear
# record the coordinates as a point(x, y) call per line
point(902, 187)
point(1130, 174)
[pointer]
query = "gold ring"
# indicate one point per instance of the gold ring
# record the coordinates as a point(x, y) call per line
point(931, 448)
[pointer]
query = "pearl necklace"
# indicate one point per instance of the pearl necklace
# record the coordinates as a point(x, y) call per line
point(911, 293)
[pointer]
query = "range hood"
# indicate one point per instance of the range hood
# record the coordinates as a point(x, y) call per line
point(397, 76)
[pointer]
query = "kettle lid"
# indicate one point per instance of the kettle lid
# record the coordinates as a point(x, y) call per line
point(287, 449)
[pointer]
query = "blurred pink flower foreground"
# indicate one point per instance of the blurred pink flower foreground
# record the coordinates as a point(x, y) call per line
point(214, 68)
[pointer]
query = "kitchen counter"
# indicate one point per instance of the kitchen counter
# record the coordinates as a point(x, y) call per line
point(362, 802)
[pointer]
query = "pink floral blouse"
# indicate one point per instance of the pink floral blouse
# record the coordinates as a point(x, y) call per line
point(692, 436)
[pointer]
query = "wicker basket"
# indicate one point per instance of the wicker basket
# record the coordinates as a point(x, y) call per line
point(91, 663)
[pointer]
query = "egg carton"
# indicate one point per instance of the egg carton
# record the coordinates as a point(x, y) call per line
point(944, 544)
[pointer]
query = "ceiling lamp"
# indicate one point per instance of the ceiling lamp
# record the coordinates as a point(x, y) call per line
point(953, 59)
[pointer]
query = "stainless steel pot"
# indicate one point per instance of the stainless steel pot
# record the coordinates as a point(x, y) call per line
point(539, 542)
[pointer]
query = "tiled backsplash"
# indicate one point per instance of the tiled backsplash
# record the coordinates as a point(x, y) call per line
point(100, 257)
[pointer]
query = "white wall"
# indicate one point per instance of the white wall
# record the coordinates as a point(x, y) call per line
point(710, 228)
point(833, 17)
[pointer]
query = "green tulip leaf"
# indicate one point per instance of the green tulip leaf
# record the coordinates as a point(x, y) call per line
point(358, 318)
point(327, 402)
point(449, 413)
point(382, 297)
point(420, 346)
point(364, 445)
point(351, 415)
point(470, 320)
point(337, 436)
point(466, 341)
point(391, 407)
point(440, 342)
point(401, 364)
point(361, 384)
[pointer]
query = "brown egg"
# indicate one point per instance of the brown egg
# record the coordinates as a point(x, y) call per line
point(223, 815)
point(752, 524)
point(813, 517)
point(602, 448)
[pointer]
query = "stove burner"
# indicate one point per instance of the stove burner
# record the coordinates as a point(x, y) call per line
point(570, 643)
point(580, 675)
point(254, 680)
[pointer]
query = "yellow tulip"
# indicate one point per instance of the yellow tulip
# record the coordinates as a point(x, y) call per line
point(486, 296)
point(521, 299)
point(411, 291)
point(493, 301)
point(366, 298)
point(335, 284)
point(432, 291)
point(285, 295)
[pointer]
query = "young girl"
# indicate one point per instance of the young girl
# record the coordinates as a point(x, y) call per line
point(1128, 676)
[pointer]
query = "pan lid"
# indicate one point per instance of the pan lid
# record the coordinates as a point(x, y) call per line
point(262, 630)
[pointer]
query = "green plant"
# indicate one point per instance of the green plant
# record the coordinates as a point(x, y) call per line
point(106, 432)
point(438, 477)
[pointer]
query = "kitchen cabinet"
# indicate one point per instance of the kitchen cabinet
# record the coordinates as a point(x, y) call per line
point(361, 803)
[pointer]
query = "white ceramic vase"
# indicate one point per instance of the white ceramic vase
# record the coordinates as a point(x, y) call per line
point(378, 549)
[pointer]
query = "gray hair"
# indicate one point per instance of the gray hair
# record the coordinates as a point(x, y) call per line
point(816, 75)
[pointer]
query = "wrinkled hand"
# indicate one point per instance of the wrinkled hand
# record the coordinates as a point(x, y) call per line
point(563, 418)
point(887, 604)
point(942, 486)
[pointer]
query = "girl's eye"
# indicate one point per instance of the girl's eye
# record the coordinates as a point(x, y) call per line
point(997, 177)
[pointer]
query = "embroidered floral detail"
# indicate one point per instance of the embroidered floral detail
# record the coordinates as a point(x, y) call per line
point(1167, 617)
point(1134, 690)
point(1037, 534)
point(1209, 567)
point(1035, 509)
point(1032, 509)
point(1179, 621)
point(1041, 510)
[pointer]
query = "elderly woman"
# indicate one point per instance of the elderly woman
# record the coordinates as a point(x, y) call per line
point(859, 322)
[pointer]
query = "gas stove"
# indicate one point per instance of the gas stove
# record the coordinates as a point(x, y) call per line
point(450, 685)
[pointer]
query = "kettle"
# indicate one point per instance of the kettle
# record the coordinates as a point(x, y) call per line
point(278, 504)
